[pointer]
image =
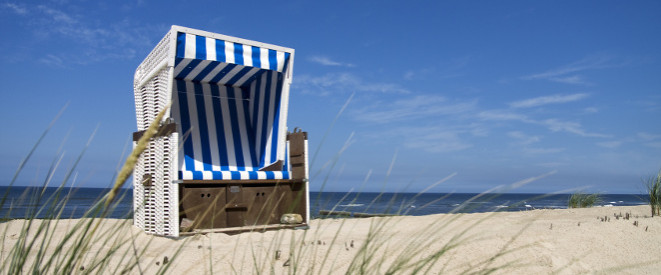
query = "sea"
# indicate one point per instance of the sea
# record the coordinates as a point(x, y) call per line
point(21, 202)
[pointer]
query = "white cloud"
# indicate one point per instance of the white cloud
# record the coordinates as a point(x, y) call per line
point(433, 139)
point(502, 115)
point(16, 8)
point(590, 110)
point(610, 144)
point(333, 83)
point(323, 60)
point(544, 100)
point(567, 74)
point(523, 138)
point(556, 125)
point(543, 150)
point(86, 40)
point(423, 107)
point(648, 136)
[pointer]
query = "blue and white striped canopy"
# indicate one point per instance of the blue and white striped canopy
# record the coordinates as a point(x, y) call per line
point(227, 102)
point(206, 59)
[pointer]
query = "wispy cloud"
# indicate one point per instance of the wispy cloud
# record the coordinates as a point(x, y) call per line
point(553, 124)
point(557, 125)
point(433, 139)
point(16, 8)
point(425, 107)
point(522, 138)
point(86, 40)
point(569, 73)
point(333, 83)
point(326, 61)
point(524, 141)
point(610, 144)
point(650, 140)
point(544, 100)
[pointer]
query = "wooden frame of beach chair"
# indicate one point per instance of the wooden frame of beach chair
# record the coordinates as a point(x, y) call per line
point(222, 159)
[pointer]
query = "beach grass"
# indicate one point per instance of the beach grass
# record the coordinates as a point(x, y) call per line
point(51, 244)
point(653, 185)
point(582, 200)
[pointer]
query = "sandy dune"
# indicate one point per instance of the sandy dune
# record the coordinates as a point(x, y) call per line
point(540, 241)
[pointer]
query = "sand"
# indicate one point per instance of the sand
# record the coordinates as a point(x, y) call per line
point(565, 241)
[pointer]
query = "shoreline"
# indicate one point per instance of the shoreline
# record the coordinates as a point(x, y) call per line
point(567, 241)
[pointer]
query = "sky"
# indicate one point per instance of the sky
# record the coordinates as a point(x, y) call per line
point(397, 96)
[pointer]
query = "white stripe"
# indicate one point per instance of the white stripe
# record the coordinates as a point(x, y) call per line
point(224, 107)
point(261, 175)
point(195, 128)
point(230, 74)
point(226, 174)
point(181, 66)
point(243, 132)
point(247, 55)
point(189, 51)
point(281, 60)
point(247, 76)
point(207, 175)
point(198, 69)
point(211, 48)
point(214, 72)
point(244, 175)
point(229, 52)
point(269, 119)
point(264, 58)
point(211, 124)
point(187, 175)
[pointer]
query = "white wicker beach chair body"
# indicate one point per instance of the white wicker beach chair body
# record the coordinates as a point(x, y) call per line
point(223, 140)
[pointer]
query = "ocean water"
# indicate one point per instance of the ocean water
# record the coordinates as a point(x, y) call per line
point(21, 202)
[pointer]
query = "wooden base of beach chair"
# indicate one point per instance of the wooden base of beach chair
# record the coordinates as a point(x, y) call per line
point(226, 203)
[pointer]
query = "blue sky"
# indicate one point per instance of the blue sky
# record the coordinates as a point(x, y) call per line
point(490, 93)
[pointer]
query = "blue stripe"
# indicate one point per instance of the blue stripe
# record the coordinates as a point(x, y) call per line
point(206, 71)
point(238, 148)
point(238, 76)
point(284, 68)
point(235, 175)
point(265, 113)
point(255, 103)
point(256, 62)
point(220, 51)
point(181, 45)
point(250, 130)
point(220, 128)
point(203, 128)
point(189, 159)
point(188, 68)
point(200, 47)
point(276, 118)
point(238, 54)
point(273, 60)
point(285, 166)
point(222, 73)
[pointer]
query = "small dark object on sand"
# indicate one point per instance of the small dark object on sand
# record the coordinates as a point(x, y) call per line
point(166, 260)
point(277, 254)
point(286, 263)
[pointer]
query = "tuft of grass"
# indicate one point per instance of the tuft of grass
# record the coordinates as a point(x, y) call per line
point(40, 245)
point(582, 200)
point(653, 185)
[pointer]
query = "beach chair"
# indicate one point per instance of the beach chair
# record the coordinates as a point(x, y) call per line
point(223, 158)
